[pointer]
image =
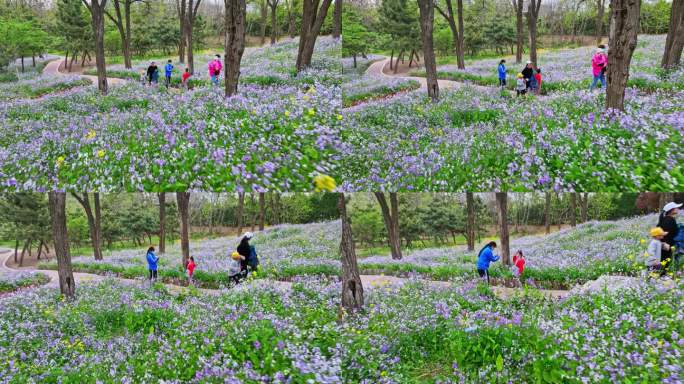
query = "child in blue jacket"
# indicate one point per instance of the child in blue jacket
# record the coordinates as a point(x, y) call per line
point(168, 70)
point(485, 257)
point(502, 73)
point(152, 263)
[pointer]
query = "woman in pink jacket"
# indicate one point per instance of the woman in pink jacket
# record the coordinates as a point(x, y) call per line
point(215, 68)
point(598, 67)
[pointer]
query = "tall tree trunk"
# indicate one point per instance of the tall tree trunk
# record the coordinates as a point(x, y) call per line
point(274, 20)
point(16, 249)
point(127, 40)
point(518, 6)
point(161, 196)
point(27, 247)
point(456, 31)
point(532, 16)
point(40, 248)
point(183, 201)
point(337, 20)
point(188, 45)
point(547, 212)
point(390, 215)
point(624, 26)
point(312, 21)
point(584, 207)
point(235, 43)
point(96, 8)
point(181, 8)
point(573, 209)
point(427, 19)
point(240, 212)
point(263, 10)
point(262, 210)
point(675, 36)
point(276, 208)
point(93, 222)
point(502, 204)
point(470, 225)
point(291, 27)
point(98, 226)
point(57, 203)
point(352, 288)
point(460, 48)
point(600, 10)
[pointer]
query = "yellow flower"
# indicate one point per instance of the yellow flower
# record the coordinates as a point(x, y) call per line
point(324, 183)
point(642, 241)
point(312, 91)
point(100, 153)
point(60, 161)
point(312, 111)
point(254, 111)
point(91, 135)
point(306, 97)
point(287, 113)
point(339, 117)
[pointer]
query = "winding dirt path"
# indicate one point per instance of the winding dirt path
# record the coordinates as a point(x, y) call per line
point(369, 281)
point(52, 69)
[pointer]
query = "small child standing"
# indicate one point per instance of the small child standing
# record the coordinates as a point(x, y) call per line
point(185, 77)
point(191, 270)
point(654, 250)
point(519, 262)
point(168, 70)
point(520, 85)
point(538, 78)
point(143, 77)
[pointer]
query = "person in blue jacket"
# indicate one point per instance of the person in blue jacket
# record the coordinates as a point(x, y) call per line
point(168, 69)
point(502, 73)
point(152, 263)
point(485, 257)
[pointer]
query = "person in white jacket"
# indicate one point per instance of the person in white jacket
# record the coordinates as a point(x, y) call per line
point(654, 250)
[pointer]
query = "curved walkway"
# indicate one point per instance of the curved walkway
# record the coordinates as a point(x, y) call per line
point(368, 281)
point(52, 68)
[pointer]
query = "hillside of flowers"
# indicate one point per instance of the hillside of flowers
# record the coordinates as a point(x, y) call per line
point(562, 259)
point(477, 140)
point(570, 69)
point(275, 137)
point(113, 332)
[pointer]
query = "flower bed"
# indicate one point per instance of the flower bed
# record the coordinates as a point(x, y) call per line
point(10, 282)
point(114, 332)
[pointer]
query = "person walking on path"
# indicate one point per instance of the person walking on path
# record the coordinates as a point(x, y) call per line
point(502, 74)
point(485, 257)
point(153, 73)
point(168, 70)
point(215, 68)
point(152, 260)
point(654, 252)
point(191, 270)
point(668, 223)
point(598, 67)
point(528, 74)
point(185, 77)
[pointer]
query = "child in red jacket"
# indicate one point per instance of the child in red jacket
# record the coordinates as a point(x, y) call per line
point(191, 269)
point(538, 77)
point(519, 262)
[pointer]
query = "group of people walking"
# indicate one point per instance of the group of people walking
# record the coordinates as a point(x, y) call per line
point(662, 256)
point(529, 80)
point(242, 262)
point(667, 242)
point(151, 76)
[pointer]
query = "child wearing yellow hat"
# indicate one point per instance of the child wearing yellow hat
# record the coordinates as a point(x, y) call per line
point(655, 248)
point(520, 85)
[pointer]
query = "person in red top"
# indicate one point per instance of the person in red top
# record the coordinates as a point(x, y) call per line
point(538, 77)
point(185, 77)
point(519, 262)
point(191, 269)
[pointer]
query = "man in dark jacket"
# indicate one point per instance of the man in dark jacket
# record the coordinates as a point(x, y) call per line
point(668, 223)
point(528, 73)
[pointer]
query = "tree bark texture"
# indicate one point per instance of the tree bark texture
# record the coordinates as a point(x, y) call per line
point(57, 203)
point(674, 43)
point(352, 289)
point(470, 225)
point(312, 21)
point(235, 43)
point(624, 26)
point(161, 196)
point(390, 215)
point(183, 201)
point(502, 205)
point(427, 19)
